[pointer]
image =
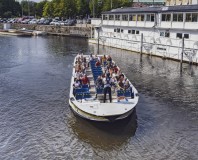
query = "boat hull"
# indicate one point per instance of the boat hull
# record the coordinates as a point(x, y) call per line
point(92, 117)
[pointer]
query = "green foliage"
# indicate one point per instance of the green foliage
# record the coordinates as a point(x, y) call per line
point(59, 8)
point(9, 8)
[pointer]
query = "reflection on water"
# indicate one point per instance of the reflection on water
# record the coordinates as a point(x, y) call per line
point(105, 135)
point(37, 123)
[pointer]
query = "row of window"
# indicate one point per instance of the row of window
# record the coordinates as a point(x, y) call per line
point(178, 35)
point(179, 17)
point(131, 17)
point(176, 17)
point(162, 34)
point(120, 30)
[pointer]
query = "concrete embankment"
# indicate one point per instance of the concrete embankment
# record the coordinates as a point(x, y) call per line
point(79, 31)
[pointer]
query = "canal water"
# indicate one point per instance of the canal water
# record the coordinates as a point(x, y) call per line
point(37, 123)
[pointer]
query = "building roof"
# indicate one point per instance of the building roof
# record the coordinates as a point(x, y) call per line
point(154, 9)
point(149, 1)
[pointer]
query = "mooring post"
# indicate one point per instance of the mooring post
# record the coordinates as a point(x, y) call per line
point(182, 54)
point(98, 38)
point(141, 43)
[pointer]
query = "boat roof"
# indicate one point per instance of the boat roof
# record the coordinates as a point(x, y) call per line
point(154, 9)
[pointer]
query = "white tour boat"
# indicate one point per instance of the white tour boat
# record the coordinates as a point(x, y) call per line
point(87, 102)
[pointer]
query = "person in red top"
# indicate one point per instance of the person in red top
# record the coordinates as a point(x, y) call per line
point(97, 63)
point(85, 80)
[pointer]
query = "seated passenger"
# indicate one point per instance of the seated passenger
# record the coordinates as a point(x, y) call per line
point(104, 60)
point(77, 83)
point(99, 82)
point(116, 69)
point(126, 85)
point(85, 80)
point(109, 60)
point(97, 63)
point(121, 85)
point(78, 74)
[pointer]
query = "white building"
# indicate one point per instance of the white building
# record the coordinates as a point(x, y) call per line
point(162, 29)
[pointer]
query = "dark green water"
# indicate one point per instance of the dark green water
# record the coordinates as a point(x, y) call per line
point(37, 123)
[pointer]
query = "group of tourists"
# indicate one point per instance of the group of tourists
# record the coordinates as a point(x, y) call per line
point(80, 76)
point(111, 78)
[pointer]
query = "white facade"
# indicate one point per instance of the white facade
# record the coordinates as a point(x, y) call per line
point(162, 32)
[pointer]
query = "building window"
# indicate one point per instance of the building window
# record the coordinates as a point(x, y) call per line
point(194, 17)
point(186, 36)
point(178, 17)
point(115, 30)
point(125, 17)
point(134, 18)
point(122, 30)
point(166, 17)
point(117, 17)
point(105, 17)
point(148, 17)
point(137, 32)
point(167, 34)
point(130, 17)
point(188, 17)
point(111, 17)
point(142, 17)
point(133, 31)
point(161, 34)
point(118, 30)
point(152, 17)
point(191, 17)
point(129, 31)
point(138, 17)
point(179, 35)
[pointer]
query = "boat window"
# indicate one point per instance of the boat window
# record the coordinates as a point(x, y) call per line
point(111, 17)
point(148, 17)
point(125, 17)
point(137, 32)
point(166, 17)
point(179, 35)
point(152, 17)
point(130, 17)
point(117, 17)
point(133, 31)
point(194, 17)
point(186, 36)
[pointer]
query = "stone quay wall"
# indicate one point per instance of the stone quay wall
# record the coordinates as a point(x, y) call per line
point(79, 31)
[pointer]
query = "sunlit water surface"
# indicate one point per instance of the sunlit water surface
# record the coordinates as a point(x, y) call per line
point(37, 123)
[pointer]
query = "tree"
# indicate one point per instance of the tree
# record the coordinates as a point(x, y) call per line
point(9, 8)
point(40, 8)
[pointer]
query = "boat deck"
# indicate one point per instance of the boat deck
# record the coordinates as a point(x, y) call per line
point(97, 93)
